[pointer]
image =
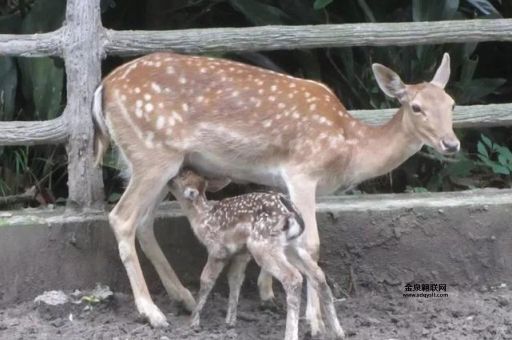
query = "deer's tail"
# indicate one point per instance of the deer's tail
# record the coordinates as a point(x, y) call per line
point(101, 134)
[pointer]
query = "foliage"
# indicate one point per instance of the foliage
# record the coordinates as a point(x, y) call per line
point(497, 157)
point(33, 89)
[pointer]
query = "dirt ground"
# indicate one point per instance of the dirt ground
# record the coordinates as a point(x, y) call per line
point(462, 315)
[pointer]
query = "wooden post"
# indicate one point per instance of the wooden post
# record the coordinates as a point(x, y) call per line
point(82, 54)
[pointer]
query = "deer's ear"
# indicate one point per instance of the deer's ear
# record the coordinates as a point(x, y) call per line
point(217, 184)
point(389, 82)
point(443, 72)
point(190, 193)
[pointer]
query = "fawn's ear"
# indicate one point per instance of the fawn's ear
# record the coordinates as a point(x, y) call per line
point(217, 184)
point(190, 193)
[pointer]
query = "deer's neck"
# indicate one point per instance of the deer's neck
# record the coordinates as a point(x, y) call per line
point(384, 148)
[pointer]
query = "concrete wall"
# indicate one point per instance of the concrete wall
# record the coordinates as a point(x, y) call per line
point(377, 242)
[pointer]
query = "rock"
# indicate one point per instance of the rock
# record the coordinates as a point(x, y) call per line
point(52, 305)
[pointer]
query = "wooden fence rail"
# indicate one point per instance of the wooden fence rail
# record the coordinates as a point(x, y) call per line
point(83, 42)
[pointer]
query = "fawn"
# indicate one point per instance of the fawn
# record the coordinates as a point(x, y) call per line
point(265, 225)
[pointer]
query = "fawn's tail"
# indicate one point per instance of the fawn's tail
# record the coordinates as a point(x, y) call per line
point(294, 225)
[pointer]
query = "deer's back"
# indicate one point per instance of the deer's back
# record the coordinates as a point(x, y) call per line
point(222, 111)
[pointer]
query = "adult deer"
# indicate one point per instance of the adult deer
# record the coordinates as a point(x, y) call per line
point(223, 118)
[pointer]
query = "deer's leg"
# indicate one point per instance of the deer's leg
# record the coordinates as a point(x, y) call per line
point(265, 287)
point(302, 192)
point(274, 261)
point(305, 263)
point(150, 246)
point(209, 275)
point(236, 277)
point(138, 201)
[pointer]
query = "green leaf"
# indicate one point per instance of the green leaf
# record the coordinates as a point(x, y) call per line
point(484, 7)
point(486, 141)
point(500, 169)
point(8, 85)
point(42, 79)
point(477, 89)
point(428, 10)
point(482, 149)
point(321, 4)
point(505, 152)
point(259, 13)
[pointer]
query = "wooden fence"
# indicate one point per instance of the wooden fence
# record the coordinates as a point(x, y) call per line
point(83, 42)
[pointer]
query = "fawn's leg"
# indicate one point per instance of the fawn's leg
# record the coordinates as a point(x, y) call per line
point(265, 286)
point(209, 275)
point(271, 258)
point(303, 261)
point(236, 277)
point(150, 246)
point(302, 192)
point(138, 201)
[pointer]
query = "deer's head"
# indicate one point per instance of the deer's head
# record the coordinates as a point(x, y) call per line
point(427, 107)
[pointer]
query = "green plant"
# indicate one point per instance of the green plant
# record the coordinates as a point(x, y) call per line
point(494, 156)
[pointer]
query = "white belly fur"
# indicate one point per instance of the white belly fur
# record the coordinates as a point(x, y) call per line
point(238, 172)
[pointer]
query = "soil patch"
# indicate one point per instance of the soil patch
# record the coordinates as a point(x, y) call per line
point(461, 315)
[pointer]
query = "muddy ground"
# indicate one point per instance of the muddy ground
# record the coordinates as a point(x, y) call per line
point(462, 315)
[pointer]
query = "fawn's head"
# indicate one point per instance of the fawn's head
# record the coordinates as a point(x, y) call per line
point(427, 107)
point(188, 186)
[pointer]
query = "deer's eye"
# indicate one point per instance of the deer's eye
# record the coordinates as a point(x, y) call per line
point(453, 107)
point(416, 108)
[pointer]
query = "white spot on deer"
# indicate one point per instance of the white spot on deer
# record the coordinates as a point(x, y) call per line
point(235, 93)
point(312, 107)
point(182, 80)
point(292, 85)
point(160, 122)
point(138, 112)
point(200, 99)
point(176, 116)
point(148, 107)
point(278, 116)
point(296, 115)
point(123, 98)
point(340, 113)
point(203, 70)
point(156, 87)
point(149, 140)
point(322, 120)
point(223, 78)
point(137, 90)
point(273, 88)
point(267, 123)
point(261, 91)
point(138, 103)
point(171, 122)
point(353, 123)
point(167, 90)
point(147, 96)
point(281, 105)
point(307, 94)
point(352, 141)
point(290, 95)
point(184, 106)
point(160, 105)
point(272, 98)
point(170, 70)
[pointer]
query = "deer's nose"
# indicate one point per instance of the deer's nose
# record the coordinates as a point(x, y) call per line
point(450, 145)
